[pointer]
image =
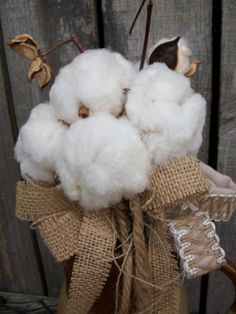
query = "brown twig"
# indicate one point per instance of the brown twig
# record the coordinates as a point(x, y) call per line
point(147, 31)
point(78, 43)
point(73, 39)
point(136, 16)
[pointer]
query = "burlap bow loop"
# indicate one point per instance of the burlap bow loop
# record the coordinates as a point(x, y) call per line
point(171, 185)
point(69, 231)
point(36, 200)
point(57, 219)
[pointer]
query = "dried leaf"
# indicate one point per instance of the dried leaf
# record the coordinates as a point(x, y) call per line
point(25, 45)
point(83, 112)
point(166, 53)
point(23, 38)
point(34, 67)
point(44, 75)
point(25, 50)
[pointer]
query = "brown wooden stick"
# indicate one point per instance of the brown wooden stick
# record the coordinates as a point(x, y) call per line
point(73, 39)
point(147, 31)
point(78, 43)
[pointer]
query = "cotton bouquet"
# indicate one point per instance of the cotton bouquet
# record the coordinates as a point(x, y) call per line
point(105, 156)
point(111, 162)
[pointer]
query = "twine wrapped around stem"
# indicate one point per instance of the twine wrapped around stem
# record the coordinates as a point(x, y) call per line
point(141, 268)
point(127, 266)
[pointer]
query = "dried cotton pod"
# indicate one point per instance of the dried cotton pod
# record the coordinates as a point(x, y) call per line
point(44, 75)
point(167, 53)
point(40, 71)
point(25, 45)
point(175, 54)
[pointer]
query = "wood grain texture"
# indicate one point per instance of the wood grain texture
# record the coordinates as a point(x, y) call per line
point(49, 22)
point(190, 19)
point(16, 246)
point(221, 291)
point(13, 303)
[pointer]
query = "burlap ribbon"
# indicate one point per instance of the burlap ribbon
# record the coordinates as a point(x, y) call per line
point(149, 272)
point(68, 231)
point(92, 262)
point(164, 272)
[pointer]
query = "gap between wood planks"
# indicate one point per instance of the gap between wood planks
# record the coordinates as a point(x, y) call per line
point(100, 25)
point(7, 85)
point(214, 119)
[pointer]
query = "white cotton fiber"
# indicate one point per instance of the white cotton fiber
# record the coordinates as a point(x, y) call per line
point(169, 115)
point(154, 85)
point(183, 63)
point(38, 144)
point(96, 79)
point(102, 160)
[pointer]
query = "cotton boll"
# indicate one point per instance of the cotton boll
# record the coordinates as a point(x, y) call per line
point(198, 120)
point(170, 117)
point(35, 171)
point(180, 132)
point(96, 79)
point(155, 85)
point(42, 111)
point(62, 95)
point(102, 160)
point(38, 143)
point(69, 179)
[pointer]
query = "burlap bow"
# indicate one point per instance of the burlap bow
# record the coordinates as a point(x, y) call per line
point(150, 275)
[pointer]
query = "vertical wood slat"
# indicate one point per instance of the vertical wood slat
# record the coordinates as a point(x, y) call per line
point(16, 245)
point(221, 291)
point(49, 23)
point(191, 19)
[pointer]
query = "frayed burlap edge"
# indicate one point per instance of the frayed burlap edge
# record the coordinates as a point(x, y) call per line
point(92, 262)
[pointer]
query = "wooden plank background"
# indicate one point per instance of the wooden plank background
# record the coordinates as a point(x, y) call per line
point(26, 266)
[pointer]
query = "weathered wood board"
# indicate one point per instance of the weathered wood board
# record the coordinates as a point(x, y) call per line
point(221, 292)
point(49, 22)
point(18, 263)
